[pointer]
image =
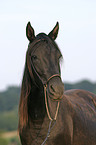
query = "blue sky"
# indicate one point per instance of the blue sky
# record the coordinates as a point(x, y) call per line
point(76, 39)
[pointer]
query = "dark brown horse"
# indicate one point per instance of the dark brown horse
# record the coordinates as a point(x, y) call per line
point(48, 114)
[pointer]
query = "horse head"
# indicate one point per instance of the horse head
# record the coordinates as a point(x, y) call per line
point(43, 58)
point(42, 70)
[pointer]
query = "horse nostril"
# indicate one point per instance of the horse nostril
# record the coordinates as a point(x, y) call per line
point(56, 88)
point(52, 88)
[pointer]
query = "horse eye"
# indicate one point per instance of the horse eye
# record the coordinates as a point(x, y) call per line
point(34, 57)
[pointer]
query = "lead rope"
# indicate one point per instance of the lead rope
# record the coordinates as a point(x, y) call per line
point(45, 90)
point(49, 116)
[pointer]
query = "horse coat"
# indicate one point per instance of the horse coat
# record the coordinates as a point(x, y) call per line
point(75, 122)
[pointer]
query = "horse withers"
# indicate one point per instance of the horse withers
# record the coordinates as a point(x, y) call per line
point(48, 115)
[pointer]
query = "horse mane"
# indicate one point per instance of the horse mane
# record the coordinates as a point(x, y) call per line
point(25, 92)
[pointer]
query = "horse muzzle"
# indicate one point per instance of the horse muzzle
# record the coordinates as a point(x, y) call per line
point(55, 88)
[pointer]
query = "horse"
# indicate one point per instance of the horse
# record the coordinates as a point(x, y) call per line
point(48, 114)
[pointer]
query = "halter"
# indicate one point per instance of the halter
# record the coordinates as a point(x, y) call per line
point(52, 120)
point(45, 92)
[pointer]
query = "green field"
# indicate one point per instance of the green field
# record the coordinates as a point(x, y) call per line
point(9, 138)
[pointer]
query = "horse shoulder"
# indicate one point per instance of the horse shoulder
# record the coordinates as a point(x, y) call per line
point(78, 111)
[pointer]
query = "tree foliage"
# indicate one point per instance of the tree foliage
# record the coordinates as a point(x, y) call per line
point(85, 85)
point(9, 98)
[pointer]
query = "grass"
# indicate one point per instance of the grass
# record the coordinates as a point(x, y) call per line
point(9, 138)
point(9, 120)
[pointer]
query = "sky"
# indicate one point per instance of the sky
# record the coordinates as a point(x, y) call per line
point(76, 38)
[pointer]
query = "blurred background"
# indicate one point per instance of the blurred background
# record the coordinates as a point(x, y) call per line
point(76, 40)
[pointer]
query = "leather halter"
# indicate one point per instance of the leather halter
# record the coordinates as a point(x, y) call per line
point(52, 120)
point(45, 91)
point(47, 109)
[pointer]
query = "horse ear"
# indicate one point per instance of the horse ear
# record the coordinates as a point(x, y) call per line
point(53, 34)
point(30, 32)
